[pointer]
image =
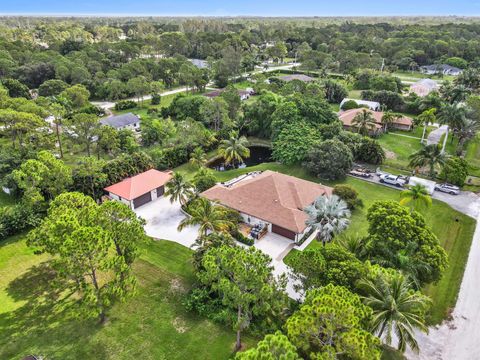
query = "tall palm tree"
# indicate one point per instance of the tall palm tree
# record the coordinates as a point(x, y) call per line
point(389, 118)
point(209, 216)
point(417, 196)
point(179, 189)
point(329, 215)
point(234, 149)
point(425, 118)
point(364, 122)
point(198, 157)
point(452, 115)
point(396, 308)
point(429, 155)
point(466, 131)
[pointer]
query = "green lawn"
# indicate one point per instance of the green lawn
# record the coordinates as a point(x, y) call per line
point(143, 108)
point(151, 325)
point(454, 231)
point(398, 148)
point(355, 94)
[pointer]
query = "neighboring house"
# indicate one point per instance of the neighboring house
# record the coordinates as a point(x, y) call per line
point(140, 189)
point(346, 117)
point(300, 77)
point(201, 64)
point(124, 121)
point(244, 94)
point(372, 105)
point(271, 199)
point(424, 87)
point(441, 69)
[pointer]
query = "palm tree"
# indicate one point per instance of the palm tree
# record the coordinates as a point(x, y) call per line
point(389, 118)
point(198, 157)
point(364, 122)
point(329, 215)
point(209, 216)
point(179, 189)
point(425, 118)
point(452, 115)
point(417, 196)
point(234, 149)
point(396, 308)
point(466, 131)
point(356, 244)
point(429, 155)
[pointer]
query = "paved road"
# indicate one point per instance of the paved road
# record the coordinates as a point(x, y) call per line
point(466, 202)
point(109, 104)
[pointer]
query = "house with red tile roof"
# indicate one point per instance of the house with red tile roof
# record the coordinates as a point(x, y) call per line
point(272, 199)
point(400, 123)
point(140, 189)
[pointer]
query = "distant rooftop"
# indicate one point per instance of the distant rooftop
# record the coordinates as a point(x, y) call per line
point(119, 121)
point(300, 77)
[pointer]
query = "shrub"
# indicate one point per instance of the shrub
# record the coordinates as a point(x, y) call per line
point(349, 195)
point(125, 104)
point(156, 99)
point(369, 151)
point(350, 104)
point(204, 180)
point(243, 239)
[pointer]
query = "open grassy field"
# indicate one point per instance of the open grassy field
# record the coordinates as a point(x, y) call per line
point(398, 147)
point(35, 319)
point(454, 231)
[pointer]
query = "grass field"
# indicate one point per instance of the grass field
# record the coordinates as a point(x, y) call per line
point(398, 148)
point(453, 229)
point(34, 319)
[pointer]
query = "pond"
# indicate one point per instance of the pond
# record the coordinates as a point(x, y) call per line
point(258, 155)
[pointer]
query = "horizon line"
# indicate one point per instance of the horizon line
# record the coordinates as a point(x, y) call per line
point(26, 14)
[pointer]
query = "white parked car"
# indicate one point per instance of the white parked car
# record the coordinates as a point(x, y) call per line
point(448, 188)
point(395, 180)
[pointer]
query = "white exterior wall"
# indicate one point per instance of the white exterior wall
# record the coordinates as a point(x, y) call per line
point(118, 198)
point(132, 127)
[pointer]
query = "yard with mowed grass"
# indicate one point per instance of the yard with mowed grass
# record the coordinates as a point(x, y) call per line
point(453, 229)
point(398, 148)
point(153, 324)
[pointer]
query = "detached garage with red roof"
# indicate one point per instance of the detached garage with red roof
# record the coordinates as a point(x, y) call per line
point(140, 189)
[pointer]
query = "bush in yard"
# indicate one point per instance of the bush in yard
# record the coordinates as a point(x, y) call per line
point(349, 105)
point(455, 171)
point(204, 179)
point(125, 104)
point(369, 151)
point(349, 195)
point(330, 160)
point(329, 131)
point(156, 99)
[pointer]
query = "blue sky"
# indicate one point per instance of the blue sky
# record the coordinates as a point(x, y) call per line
point(243, 7)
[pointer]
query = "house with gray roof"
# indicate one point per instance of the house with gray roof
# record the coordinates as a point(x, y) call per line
point(201, 64)
point(424, 87)
point(300, 77)
point(440, 69)
point(124, 121)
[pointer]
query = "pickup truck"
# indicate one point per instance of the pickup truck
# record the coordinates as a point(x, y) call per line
point(398, 181)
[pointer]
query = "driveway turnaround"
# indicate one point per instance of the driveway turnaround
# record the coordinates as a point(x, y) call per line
point(162, 219)
point(435, 135)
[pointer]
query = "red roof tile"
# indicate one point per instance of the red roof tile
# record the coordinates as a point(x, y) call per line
point(273, 197)
point(140, 184)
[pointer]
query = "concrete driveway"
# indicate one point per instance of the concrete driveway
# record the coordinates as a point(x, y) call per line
point(277, 247)
point(162, 219)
